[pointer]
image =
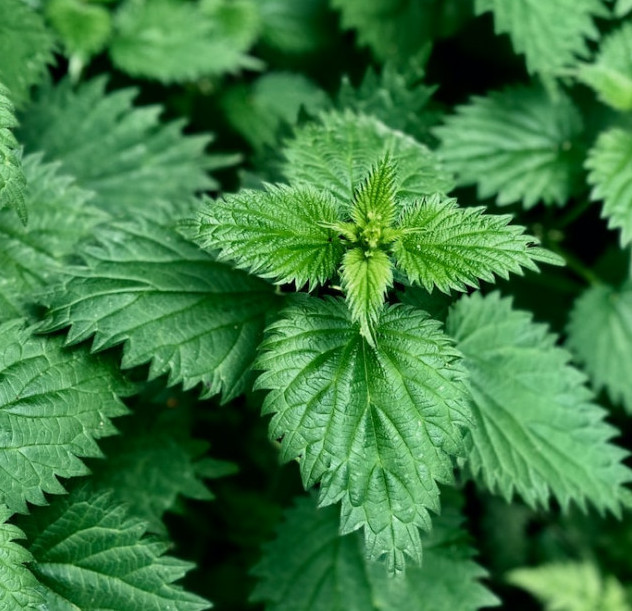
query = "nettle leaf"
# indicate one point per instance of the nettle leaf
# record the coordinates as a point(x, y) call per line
point(91, 556)
point(174, 41)
point(134, 163)
point(551, 35)
point(576, 586)
point(622, 7)
point(600, 335)
point(54, 404)
point(171, 304)
point(376, 426)
point(283, 233)
point(537, 430)
point(18, 587)
point(310, 567)
point(610, 75)
point(519, 144)
point(337, 153)
point(609, 163)
point(449, 247)
point(60, 216)
point(25, 48)
point(12, 180)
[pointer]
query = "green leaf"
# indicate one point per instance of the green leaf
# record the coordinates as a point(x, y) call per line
point(374, 200)
point(452, 248)
point(12, 180)
point(600, 335)
point(171, 304)
point(340, 151)
point(537, 430)
point(25, 48)
point(311, 567)
point(173, 41)
point(18, 586)
point(283, 233)
point(54, 403)
point(132, 161)
point(571, 586)
point(551, 35)
point(91, 556)
point(622, 7)
point(376, 426)
point(610, 75)
point(609, 163)
point(518, 144)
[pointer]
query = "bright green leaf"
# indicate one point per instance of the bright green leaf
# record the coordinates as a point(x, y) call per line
point(622, 7)
point(374, 200)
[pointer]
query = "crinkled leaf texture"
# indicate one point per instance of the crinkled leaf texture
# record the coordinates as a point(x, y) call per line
point(91, 556)
point(600, 336)
point(54, 403)
point(452, 248)
point(376, 426)
point(171, 304)
point(537, 430)
point(134, 163)
point(338, 153)
point(519, 145)
point(310, 567)
point(609, 163)
point(12, 180)
point(18, 587)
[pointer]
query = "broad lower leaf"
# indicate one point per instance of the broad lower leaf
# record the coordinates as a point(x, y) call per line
point(551, 35)
point(450, 247)
point(135, 164)
point(310, 567)
point(609, 163)
point(518, 145)
point(281, 233)
point(537, 430)
point(376, 426)
point(12, 180)
point(600, 335)
point(170, 304)
point(18, 587)
point(339, 152)
point(54, 404)
point(91, 556)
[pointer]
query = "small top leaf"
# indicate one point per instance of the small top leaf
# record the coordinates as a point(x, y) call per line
point(374, 201)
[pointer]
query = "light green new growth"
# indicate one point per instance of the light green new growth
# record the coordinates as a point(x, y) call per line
point(518, 145)
point(609, 163)
point(376, 426)
point(12, 180)
point(600, 335)
point(90, 556)
point(310, 567)
point(537, 431)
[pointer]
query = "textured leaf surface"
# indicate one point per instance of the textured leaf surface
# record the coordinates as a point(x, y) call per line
point(91, 556)
point(609, 163)
point(54, 403)
point(571, 586)
point(277, 233)
point(518, 145)
point(134, 163)
point(310, 567)
point(18, 586)
point(452, 248)
point(600, 335)
point(550, 34)
point(25, 48)
point(174, 41)
point(377, 427)
point(338, 153)
point(171, 304)
point(537, 431)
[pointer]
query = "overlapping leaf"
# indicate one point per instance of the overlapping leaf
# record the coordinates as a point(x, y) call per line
point(309, 566)
point(519, 145)
point(537, 430)
point(171, 304)
point(376, 426)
